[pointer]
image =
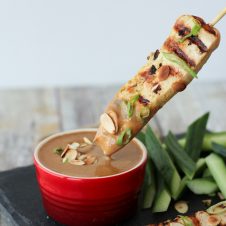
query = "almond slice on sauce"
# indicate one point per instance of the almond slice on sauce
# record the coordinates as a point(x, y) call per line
point(64, 151)
point(114, 117)
point(74, 146)
point(77, 162)
point(87, 141)
point(107, 123)
point(71, 154)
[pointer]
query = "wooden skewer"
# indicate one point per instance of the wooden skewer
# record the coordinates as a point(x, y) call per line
point(218, 17)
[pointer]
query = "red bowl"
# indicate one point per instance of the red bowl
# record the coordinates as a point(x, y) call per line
point(89, 201)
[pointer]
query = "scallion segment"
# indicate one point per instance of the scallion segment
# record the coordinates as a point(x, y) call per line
point(124, 137)
point(177, 60)
point(195, 135)
point(194, 32)
point(186, 221)
point(149, 185)
point(219, 149)
point(130, 105)
point(162, 199)
point(183, 160)
point(202, 186)
point(162, 161)
point(217, 168)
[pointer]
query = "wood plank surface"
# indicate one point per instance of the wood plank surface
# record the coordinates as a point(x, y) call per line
point(26, 116)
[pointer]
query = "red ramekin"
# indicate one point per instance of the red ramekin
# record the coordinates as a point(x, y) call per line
point(89, 201)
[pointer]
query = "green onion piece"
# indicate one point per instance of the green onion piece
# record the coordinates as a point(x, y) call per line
point(149, 185)
point(186, 221)
point(202, 186)
point(124, 137)
point(182, 187)
point(219, 149)
point(183, 160)
point(209, 138)
point(177, 60)
point(130, 105)
point(57, 151)
point(163, 198)
point(217, 168)
point(194, 32)
point(65, 160)
point(206, 173)
point(162, 162)
point(141, 136)
point(195, 135)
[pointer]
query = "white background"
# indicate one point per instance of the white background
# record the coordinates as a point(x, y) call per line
point(53, 42)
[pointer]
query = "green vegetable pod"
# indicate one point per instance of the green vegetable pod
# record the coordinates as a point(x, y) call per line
point(182, 159)
point(149, 188)
point(217, 168)
point(202, 186)
point(163, 197)
point(163, 162)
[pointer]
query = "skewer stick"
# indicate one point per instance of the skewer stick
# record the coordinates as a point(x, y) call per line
point(218, 17)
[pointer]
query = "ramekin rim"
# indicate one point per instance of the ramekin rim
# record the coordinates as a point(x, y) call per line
point(52, 172)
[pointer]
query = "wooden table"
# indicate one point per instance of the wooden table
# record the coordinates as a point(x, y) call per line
point(28, 115)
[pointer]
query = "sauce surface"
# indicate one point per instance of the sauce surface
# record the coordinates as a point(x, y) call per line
point(123, 160)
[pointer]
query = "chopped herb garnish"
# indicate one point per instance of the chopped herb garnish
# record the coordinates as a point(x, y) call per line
point(124, 137)
point(57, 151)
point(130, 105)
point(175, 59)
point(194, 32)
point(186, 221)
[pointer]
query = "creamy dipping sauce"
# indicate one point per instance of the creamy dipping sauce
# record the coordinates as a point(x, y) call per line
point(125, 159)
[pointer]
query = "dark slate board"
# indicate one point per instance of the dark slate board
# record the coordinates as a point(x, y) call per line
point(20, 202)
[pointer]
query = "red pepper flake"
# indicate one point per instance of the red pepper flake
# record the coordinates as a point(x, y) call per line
point(143, 101)
point(156, 54)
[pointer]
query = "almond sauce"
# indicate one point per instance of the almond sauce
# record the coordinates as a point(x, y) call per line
point(123, 160)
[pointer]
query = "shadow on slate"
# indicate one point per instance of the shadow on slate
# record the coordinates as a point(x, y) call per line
point(20, 201)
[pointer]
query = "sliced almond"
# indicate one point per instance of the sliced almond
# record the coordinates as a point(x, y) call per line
point(77, 162)
point(87, 141)
point(74, 145)
point(114, 117)
point(107, 123)
point(82, 145)
point(64, 151)
point(164, 72)
point(181, 207)
point(71, 154)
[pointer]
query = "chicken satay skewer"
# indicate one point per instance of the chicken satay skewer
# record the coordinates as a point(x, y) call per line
point(168, 71)
point(218, 17)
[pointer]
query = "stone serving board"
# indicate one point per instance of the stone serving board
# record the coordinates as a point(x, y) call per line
point(21, 205)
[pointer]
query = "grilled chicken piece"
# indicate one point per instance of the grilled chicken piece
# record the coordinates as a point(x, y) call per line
point(213, 216)
point(201, 218)
point(167, 72)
